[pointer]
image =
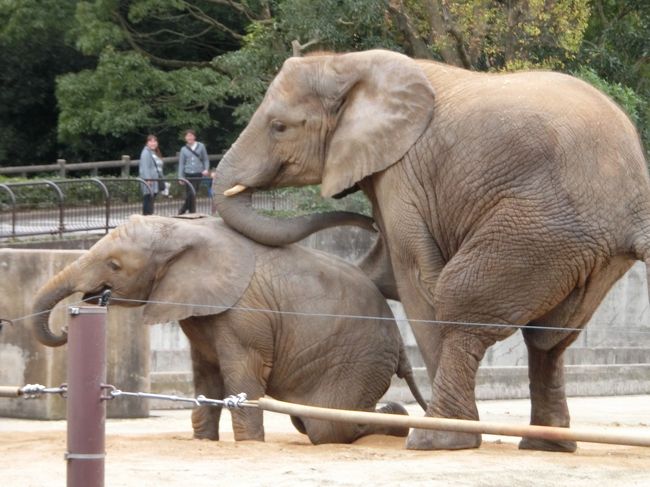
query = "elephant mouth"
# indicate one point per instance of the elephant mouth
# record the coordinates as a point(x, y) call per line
point(93, 297)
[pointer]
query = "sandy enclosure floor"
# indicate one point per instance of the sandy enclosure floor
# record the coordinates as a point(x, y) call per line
point(160, 451)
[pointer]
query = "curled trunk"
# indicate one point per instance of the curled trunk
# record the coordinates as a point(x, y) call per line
point(237, 211)
point(56, 289)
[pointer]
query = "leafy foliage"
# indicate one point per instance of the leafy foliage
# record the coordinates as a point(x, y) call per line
point(625, 96)
point(329, 25)
point(494, 35)
point(125, 68)
point(617, 51)
point(127, 95)
point(33, 51)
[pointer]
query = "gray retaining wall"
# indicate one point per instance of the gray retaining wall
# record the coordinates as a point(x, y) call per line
point(612, 356)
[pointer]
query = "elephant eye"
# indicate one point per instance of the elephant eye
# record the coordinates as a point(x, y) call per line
point(114, 265)
point(278, 126)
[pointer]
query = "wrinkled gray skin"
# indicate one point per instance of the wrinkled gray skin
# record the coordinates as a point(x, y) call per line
point(501, 198)
point(323, 361)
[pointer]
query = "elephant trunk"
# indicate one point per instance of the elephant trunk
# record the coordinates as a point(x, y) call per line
point(237, 211)
point(56, 289)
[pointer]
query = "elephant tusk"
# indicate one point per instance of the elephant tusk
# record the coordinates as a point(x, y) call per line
point(238, 188)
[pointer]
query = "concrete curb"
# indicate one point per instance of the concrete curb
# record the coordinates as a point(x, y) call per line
point(506, 382)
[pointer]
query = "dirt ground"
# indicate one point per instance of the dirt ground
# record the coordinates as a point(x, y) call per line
point(160, 451)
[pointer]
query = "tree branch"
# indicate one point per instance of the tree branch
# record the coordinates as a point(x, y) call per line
point(418, 46)
point(239, 7)
point(439, 33)
point(298, 48)
point(170, 63)
point(200, 15)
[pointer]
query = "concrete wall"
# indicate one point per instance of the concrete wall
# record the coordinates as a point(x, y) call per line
point(25, 361)
point(611, 357)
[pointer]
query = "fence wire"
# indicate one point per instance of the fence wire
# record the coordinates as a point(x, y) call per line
point(541, 327)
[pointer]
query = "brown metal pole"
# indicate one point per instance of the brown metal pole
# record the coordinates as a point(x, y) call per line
point(597, 435)
point(86, 410)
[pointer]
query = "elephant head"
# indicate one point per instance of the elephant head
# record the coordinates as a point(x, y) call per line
point(332, 119)
point(164, 261)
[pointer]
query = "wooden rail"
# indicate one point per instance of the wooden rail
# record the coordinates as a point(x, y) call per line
point(62, 167)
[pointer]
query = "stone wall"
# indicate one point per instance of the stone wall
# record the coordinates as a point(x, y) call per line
point(612, 356)
point(25, 361)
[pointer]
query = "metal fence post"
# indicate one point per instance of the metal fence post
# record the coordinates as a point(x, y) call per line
point(61, 163)
point(126, 166)
point(86, 409)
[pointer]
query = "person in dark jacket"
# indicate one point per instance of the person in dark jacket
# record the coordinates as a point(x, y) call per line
point(193, 165)
point(150, 169)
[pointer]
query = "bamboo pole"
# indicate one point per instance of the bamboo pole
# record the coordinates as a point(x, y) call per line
point(10, 391)
point(596, 435)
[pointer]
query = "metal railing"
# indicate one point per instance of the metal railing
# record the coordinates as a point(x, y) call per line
point(78, 206)
point(68, 206)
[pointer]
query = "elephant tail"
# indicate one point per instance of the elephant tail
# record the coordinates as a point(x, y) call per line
point(405, 371)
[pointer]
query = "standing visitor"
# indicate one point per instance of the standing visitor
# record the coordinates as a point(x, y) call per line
point(150, 169)
point(193, 165)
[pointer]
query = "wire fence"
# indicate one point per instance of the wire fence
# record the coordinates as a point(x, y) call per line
point(638, 330)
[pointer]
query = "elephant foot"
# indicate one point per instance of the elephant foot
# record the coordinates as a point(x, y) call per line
point(394, 408)
point(547, 445)
point(199, 435)
point(205, 425)
point(249, 438)
point(421, 439)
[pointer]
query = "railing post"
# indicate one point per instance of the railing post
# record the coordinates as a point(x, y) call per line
point(61, 163)
point(86, 409)
point(126, 166)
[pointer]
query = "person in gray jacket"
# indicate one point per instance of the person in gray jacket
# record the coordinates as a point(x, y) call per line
point(193, 164)
point(150, 168)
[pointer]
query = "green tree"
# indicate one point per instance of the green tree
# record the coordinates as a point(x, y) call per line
point(33, 51)
point(493, 35)
point(154, 73)
point(163, 65)
point(615, 56)
point(300, 26)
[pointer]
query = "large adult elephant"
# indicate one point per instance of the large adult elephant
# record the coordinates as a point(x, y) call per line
point(333, 360)
point(506, 199)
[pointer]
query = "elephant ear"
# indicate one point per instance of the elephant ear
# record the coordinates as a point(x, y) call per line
point(384, 103)
point(208, 275)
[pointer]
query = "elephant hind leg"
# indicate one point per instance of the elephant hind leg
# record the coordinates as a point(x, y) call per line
point(389, 408)
point(321, 432)
point(546, 353)
point(548, 399)
point(453, 392)
point(298, 424)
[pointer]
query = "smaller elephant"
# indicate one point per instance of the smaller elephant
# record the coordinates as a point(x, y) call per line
point(288, 322)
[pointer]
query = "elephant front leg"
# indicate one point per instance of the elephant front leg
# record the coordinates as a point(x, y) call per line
point(248, 424)
point(242, 376)
point(208, 381)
